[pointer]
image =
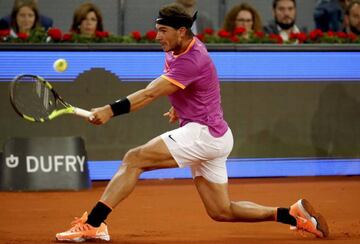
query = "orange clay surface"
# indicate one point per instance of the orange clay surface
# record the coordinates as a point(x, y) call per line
point(170, 211)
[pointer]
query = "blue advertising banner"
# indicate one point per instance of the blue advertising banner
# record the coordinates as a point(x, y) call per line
point(138, 66)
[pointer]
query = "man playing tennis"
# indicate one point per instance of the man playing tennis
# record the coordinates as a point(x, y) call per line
point(203, 141)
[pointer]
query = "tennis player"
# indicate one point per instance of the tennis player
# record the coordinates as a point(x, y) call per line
point(203, 141)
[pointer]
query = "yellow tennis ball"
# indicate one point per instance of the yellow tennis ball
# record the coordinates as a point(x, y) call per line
point(60, 65)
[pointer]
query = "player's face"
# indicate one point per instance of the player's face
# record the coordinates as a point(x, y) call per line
point(285, 12)
point(168, 37)
point(25, 19)
point(89, 24)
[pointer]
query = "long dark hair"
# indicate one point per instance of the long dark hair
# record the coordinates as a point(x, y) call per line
point(80, 14)
point(20, 4)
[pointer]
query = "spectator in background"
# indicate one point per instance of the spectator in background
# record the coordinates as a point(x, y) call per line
point(328, 15)
point(243, 16)
point(352, 18)
point(24, 18)
point(87, 20)
point(44, 21)
point(284, 12)
point(202, 21)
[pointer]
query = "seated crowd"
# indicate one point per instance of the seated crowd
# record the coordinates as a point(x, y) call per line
point(25, 17)
point(242, 20)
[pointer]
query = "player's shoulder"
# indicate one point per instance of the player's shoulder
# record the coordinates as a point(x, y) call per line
point(199, 45)
point(195, 57)
point(197, 51)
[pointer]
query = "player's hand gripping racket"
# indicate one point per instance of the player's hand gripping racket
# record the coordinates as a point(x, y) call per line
point(34, 99)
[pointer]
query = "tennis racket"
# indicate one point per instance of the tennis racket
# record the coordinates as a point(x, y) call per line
point(34, 99)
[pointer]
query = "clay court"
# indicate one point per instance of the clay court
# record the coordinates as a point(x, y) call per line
point(170, 211)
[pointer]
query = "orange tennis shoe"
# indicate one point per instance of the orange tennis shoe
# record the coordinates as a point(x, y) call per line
point(80, 231)
point(308, 220)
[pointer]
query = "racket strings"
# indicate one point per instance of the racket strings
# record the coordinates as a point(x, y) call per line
point(33, 98)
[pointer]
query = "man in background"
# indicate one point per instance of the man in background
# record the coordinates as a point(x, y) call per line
point(284, 12)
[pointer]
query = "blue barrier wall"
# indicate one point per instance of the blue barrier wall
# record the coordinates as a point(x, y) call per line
point(266, 66)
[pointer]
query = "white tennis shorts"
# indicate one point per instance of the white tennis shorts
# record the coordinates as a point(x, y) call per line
point(193, 145)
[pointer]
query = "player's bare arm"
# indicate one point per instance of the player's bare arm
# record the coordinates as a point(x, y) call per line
point(139, 99)
point(157, 88)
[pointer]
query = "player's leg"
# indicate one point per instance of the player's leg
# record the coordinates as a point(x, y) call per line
point(152, 155)
point(211, 181)
point(220, 208)
point(300, 215)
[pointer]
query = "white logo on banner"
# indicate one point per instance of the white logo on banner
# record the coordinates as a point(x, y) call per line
point(12, 161)
point(54, 163)
point(48, 164)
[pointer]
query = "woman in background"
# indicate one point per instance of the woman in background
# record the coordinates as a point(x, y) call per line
point(243, 16)
point(87, 20)
point(24, 17)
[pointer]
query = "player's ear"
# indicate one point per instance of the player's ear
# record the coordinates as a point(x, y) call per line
point(182, 31)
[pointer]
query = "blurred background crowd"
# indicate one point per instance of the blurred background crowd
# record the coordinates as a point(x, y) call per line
point(285, 19)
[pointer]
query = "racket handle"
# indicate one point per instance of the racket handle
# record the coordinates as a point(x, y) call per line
point(83, 113)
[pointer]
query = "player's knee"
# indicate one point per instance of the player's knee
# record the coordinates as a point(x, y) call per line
point(131, 158)
point(220, 215)
point(134, 159)
point(130, 155)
